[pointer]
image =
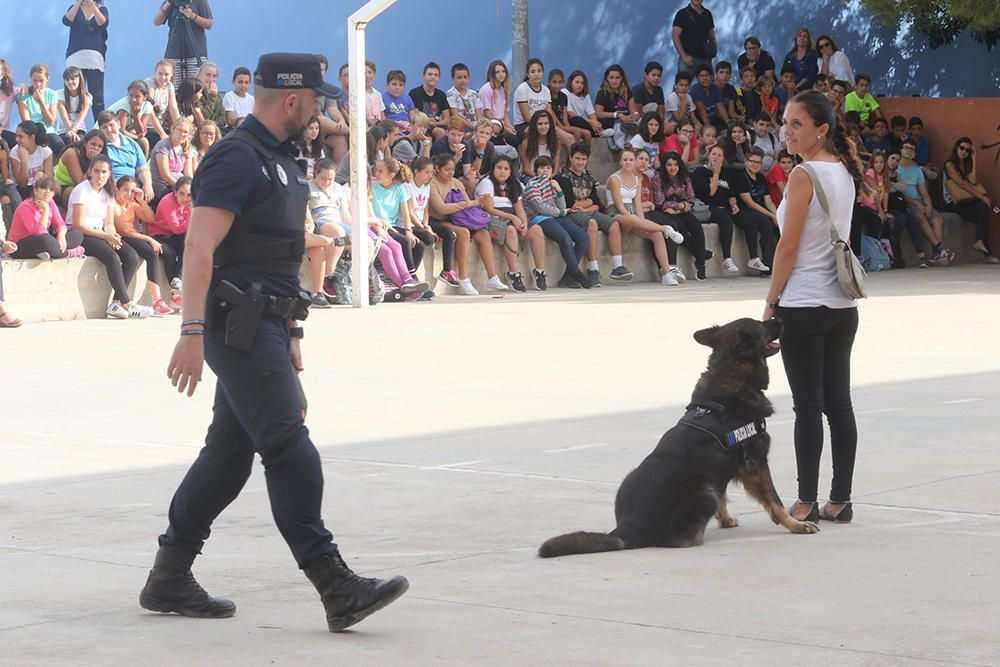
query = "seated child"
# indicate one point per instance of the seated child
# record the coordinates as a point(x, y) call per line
point(238, 103)
point(130, 204)
point(169, 227)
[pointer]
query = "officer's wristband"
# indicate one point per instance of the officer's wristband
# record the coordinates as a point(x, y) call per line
point(296, 332)
point(192, 322)
point(192, 332)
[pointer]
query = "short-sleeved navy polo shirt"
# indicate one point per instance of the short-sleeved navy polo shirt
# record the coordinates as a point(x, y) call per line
point(233, 177)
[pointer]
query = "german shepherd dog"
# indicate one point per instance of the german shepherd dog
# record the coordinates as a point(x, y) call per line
point(668, 500)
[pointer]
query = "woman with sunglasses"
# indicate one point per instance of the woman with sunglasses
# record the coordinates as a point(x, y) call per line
point(832, 62)
point(966, 196)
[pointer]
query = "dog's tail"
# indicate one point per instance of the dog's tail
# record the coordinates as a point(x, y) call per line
point(580, 542)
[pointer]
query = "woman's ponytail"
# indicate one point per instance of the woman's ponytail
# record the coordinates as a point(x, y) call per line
point(843, 147)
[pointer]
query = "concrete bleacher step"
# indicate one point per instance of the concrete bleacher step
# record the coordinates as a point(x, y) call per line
point(68, 289)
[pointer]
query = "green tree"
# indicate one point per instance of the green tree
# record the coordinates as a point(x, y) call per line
point(943, 20)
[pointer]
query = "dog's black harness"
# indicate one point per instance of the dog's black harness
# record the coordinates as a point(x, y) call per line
point(731, 433)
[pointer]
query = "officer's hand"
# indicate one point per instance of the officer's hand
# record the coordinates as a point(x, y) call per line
point(295, 348)
point(186, 363)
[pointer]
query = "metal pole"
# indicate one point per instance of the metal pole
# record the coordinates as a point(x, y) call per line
point(519, 47)
point(356, 25)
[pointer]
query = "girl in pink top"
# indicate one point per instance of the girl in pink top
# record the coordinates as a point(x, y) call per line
point(130, 205)
point(495, 95)
point(173, 214)
point(39, 230)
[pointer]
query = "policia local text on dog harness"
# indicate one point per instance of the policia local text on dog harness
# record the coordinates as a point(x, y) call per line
point(730, 433)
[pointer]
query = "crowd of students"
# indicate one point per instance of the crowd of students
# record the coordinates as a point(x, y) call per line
point(503, 166)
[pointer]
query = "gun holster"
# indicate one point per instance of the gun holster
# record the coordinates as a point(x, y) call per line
point(243, 310)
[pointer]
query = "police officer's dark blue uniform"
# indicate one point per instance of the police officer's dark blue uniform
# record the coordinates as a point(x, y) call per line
point(258, 406)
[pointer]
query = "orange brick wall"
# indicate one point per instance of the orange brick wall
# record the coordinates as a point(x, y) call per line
point(945, 120)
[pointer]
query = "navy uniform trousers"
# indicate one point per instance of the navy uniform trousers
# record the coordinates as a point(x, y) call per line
point(258, 410)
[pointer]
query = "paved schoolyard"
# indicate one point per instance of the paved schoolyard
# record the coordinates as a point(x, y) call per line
point(469, 430)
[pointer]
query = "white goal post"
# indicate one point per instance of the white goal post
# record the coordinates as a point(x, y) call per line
point(356, 25)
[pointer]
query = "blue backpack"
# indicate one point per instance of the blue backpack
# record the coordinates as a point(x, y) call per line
point(873, 255)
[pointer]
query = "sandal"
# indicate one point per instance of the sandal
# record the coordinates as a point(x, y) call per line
point(7, 321)
point(983, 251)
point(813, 515)
point(845, 515)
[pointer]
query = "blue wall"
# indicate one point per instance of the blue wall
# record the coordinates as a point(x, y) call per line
point(570, 34)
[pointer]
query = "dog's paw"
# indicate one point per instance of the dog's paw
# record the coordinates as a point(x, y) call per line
point(804, 528)
point(728, 522)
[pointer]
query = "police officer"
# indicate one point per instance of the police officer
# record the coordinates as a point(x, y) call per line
point(242, 303)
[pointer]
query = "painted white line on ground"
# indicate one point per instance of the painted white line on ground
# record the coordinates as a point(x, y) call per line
point(962, 400)
point(494, 473)
point(576, 448)
point(780, 422)
point(878, 411)
point(460, 464)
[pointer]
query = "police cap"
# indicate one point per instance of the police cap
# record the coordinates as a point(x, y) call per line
point(292, 71)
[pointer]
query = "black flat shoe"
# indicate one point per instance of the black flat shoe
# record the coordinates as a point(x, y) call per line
point(813, 515)
point(845, 515)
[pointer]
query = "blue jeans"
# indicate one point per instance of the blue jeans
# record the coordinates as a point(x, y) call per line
point(258, 410)
point(571, 238)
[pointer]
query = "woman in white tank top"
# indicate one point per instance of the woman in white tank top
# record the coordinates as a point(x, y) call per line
point(625, 208)
point(819, 320)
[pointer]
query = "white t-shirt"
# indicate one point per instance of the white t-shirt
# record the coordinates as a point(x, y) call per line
point(579, 105)
point(96, 205)
point(72, 109)
point(486, 187)
point(653, 148)
point(36, 160)
point(419, 195)
point(465, 105)
point(813, 281)
point(673, 103)
point(241, 106)
point(374, 104)
point(537, 101)
point(770, 145)
point(326, 205)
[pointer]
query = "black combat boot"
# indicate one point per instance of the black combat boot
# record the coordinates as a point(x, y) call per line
point(347, 597)
point(172, 588)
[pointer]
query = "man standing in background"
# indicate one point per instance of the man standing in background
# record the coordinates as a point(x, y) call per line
point(187, 45)
point(694, 37)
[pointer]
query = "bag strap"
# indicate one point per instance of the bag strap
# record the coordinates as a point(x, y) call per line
point(821, 197)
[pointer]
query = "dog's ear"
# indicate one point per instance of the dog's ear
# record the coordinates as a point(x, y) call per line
point(708, 337)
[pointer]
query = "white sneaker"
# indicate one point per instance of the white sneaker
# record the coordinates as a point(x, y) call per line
point(673, 234)
point(668, 278)
point(730, 266)
point(758, 265)
point(677, 273)
point(497, 284)
point(465, 285)
point(137, 312)
point(116, 311)
point(175, 284)
point(610, 132)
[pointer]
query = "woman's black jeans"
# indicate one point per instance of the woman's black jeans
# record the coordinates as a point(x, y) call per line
point(816, 352)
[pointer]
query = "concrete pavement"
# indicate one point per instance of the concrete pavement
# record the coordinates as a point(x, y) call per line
point(474, 429)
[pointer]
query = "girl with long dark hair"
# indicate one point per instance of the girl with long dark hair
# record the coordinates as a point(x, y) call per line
point(673, 197)
point(539, 139)
point(92, 211)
